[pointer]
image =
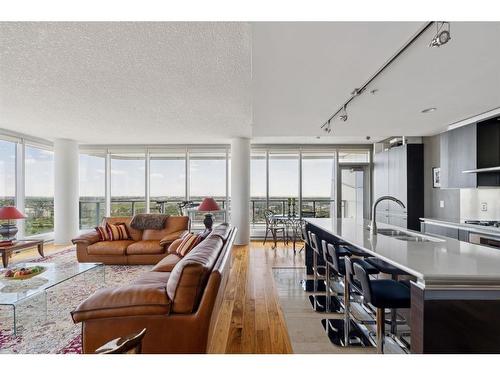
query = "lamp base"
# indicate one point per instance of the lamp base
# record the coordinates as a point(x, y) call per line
point(208, 221)
point(8, 231)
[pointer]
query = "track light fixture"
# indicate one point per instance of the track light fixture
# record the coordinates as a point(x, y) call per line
point(343, 116)
point(442, 35)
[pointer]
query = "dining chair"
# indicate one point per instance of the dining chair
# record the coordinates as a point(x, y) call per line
point(273, 227)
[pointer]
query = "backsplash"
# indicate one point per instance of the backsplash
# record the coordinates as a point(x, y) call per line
point(471, 202)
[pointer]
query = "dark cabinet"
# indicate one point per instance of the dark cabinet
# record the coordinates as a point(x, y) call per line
point(458, 153)
point(399, 172)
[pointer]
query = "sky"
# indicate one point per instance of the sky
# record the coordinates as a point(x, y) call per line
point(167, 177)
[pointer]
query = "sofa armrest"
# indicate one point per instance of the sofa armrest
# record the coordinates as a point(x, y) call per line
point(129, 300)
point(86, 239)
point(171, 237)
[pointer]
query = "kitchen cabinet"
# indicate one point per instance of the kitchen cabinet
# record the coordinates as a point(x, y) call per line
point(399, 172)
point(458, 153)
point(440, 230)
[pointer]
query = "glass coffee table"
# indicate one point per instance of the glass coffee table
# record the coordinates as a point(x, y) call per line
point(13, 291)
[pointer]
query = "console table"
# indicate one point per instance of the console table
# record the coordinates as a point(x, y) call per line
point(18, 245)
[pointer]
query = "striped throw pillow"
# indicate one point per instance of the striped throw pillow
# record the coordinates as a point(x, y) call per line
point(188, 242)
point(103, 233)
point(117, 232)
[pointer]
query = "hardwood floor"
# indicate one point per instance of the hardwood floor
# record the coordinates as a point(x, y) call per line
point(250, 319)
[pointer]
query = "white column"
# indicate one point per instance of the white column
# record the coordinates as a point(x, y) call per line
point(66, 195)
point(240, 189)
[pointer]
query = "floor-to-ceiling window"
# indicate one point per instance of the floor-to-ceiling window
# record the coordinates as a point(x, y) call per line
point(92, 205)
point(7, 173)
point(207, 178)
point(167, 176)
point(258, 187)
point(284, 182)
point(318, 183)
point(128, 184)
point(39, 190)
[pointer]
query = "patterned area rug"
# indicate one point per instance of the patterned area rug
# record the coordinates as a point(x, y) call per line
point(53, 331)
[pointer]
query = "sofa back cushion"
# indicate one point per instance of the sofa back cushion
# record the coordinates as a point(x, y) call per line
point(135, 235)
point(189, 277)
point(172, 224)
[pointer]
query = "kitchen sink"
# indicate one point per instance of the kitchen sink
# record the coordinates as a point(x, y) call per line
point(406, 236)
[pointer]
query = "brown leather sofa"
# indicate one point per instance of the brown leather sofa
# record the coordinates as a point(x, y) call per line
point(176, 303)
point(143, 248)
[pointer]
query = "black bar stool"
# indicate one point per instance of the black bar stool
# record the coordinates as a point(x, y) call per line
point(318, 302)
point(394, 272)
point(382, 294)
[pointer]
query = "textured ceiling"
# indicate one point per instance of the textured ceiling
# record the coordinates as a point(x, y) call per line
point(126, 82)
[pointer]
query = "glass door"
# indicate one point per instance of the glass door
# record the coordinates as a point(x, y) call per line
point(354, 192)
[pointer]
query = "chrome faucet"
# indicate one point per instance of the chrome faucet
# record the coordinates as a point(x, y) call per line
point(373, 225)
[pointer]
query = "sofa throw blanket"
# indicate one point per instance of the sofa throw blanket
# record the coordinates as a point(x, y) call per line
point(148, 221)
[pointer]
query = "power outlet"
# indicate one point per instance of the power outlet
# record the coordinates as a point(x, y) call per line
point(484, 206)
point(441, 204)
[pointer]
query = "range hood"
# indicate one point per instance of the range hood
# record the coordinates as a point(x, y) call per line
point(483, 170)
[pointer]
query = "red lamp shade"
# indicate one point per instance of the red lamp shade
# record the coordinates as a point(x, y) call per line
point(10, 213)
point(208, 204)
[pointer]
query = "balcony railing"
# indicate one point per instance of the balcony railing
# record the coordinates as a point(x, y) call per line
point(92, 209)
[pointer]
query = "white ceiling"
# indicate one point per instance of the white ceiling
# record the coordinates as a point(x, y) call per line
point(207, 82)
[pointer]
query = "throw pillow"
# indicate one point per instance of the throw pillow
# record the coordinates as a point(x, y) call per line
point(103, 233)
point(188, 242)
point(117, 232)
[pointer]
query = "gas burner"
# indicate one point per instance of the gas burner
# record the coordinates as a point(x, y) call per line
point(484, 223)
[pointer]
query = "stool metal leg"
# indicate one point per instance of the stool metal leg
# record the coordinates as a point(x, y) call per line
point(394, 323)
point(380, 330)
point(347, 312)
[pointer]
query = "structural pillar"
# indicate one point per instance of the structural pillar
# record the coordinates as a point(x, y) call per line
point(240, 189)
point(66, 194)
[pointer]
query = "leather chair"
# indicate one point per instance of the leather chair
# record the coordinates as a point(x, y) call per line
point(144, 247)
point(177, 305)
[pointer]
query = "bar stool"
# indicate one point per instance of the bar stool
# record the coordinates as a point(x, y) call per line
point(345, 332)
point(318, 301)
point(382, 294)
point(311, 285)
point(395, 272)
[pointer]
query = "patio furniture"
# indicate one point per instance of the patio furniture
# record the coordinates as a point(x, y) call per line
point(273, 226)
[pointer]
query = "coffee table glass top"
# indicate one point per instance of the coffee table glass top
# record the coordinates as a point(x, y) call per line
point(12, 291)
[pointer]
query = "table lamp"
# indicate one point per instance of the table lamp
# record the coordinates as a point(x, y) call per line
point(8, 230)
point(208, 204)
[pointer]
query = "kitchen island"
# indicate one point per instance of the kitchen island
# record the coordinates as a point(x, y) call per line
point(455, 298)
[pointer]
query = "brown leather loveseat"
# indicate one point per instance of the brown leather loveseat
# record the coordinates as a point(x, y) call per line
point(143, 247)
point(177, 304)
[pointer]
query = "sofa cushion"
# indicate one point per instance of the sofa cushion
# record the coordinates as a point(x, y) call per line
point(126, 300)
point(172, 224)
point(117, 232)
point(169, 238)
point(188, 278)
point(135, 234)
point(152, 277)
point(145, 247)
point(167, 264)
point(222, 230)
point(109, 247)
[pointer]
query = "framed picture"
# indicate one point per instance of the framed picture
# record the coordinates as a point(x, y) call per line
point(436, 177)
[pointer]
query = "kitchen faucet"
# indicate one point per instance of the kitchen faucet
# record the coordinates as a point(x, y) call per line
point(373, 225)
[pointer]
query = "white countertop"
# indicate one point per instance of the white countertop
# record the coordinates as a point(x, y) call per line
point(447, 263)
point(470, 227)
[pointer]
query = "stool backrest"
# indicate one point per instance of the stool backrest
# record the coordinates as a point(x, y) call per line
point(363, 278)
point(314, 242)
point(305, 237)
point(349, 272)
point(332, 255)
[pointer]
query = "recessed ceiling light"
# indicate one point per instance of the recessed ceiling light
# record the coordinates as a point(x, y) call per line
point(427, 110)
